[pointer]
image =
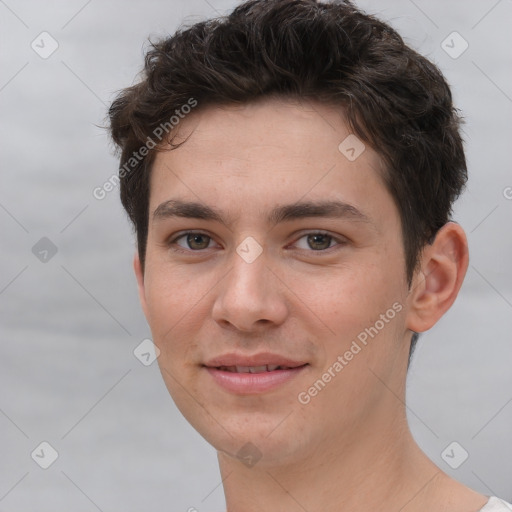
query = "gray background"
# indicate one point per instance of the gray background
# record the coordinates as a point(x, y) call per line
point(69, 325)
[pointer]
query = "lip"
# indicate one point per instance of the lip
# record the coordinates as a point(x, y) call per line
point(263, 358)
point(253, 383)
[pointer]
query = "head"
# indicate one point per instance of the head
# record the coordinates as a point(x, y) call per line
point(248, 113)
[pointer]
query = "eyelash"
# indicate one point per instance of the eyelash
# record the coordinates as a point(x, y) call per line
point(174, 247)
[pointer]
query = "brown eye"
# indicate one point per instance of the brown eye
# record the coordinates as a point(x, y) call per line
point(190, 242)
point(319, 242)
point(198, 241)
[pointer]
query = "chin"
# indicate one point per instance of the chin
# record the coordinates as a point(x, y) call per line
point(253, 437)
point(269, 428)
point(265, 452)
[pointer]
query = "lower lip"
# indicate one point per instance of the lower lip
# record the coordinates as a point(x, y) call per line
point(253, 383)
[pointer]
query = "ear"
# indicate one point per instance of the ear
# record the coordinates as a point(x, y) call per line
point(139, 274)
point(436, 284)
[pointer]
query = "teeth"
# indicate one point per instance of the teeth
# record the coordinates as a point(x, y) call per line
point(231, 369)
point(252, 369)
point(258, 369)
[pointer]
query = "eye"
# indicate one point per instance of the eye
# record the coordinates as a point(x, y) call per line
point(319, 241)
point(194, 241)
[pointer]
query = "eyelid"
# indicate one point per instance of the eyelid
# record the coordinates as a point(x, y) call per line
point(339, 239)
point(171, 241)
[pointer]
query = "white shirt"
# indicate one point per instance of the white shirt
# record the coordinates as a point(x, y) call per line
point(496, 505)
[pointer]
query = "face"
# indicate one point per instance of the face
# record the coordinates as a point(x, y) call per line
point(274, 282)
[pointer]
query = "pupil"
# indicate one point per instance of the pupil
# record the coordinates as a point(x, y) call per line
point(313, 240)
point(196, 238)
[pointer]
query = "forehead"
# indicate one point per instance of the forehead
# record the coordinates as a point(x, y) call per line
point(254, 156)
point(272, 124)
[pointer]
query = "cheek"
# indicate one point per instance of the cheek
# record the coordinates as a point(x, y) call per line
point(361, 305)
point(355, 297)
point(171, 301)
point(173, 308)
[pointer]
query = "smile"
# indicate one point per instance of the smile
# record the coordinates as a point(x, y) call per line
point(253, 380)
point(253, 369)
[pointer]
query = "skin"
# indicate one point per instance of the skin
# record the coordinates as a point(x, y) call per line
point(350, 447)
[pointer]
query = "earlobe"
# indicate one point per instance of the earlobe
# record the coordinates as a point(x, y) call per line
point(443, 267)
point(139, 274)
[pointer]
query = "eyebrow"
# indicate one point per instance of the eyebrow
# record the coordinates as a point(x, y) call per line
point(282, 213)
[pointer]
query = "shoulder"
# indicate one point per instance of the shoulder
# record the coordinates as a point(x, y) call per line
point(496, 504)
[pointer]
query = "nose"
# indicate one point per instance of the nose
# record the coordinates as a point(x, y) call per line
point(250, 297)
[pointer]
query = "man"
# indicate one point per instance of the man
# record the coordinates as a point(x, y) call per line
point(290, 172)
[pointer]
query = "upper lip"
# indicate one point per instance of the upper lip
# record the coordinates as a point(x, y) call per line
point(265, 358)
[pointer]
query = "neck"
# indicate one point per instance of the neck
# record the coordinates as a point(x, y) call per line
point(366, 469)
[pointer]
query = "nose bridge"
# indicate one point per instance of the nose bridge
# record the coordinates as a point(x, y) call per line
point(249, 293)
point(248, 278)
point(249, 271)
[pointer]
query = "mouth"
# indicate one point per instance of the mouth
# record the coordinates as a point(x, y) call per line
point(253, 375)
point(256, 369)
